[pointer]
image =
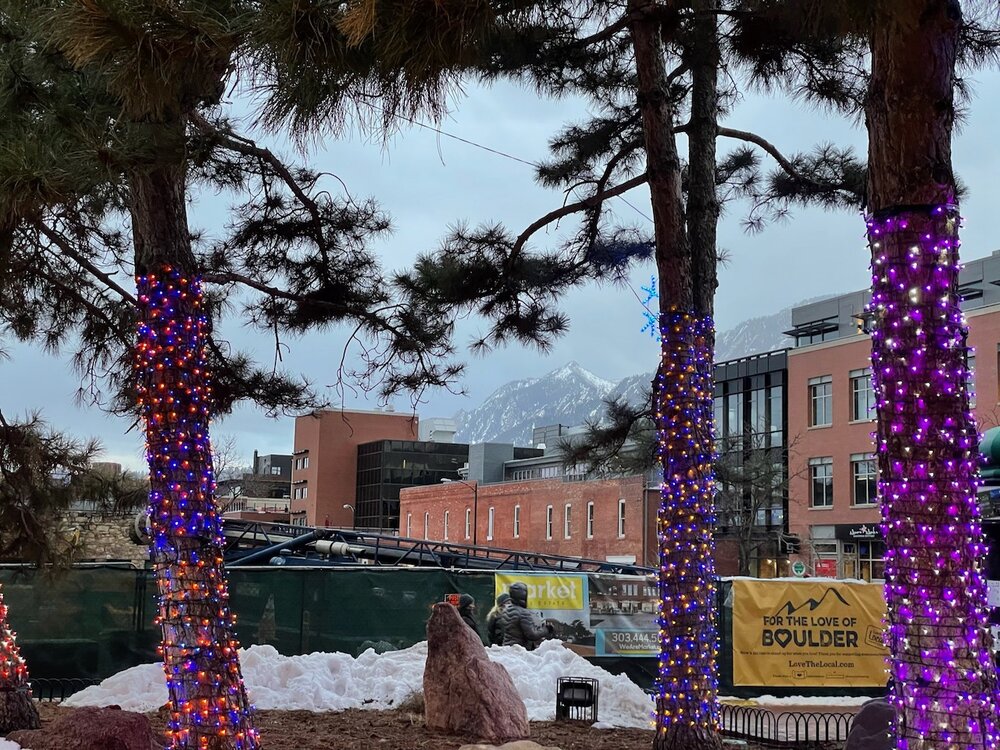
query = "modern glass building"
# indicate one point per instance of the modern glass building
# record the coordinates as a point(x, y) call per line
point(387, 466)
point(751, 440)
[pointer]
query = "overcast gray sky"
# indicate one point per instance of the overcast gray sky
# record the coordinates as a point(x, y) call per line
point(428, 182)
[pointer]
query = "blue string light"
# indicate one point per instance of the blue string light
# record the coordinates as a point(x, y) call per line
point(209, 708)
point(687, 682)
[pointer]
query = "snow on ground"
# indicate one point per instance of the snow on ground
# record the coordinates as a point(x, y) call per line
point(334, 682)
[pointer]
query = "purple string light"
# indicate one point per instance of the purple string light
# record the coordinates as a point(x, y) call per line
point(944, 682)
point(687, 683)
point(209, 709)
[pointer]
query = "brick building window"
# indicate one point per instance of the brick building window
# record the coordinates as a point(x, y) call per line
point(468, 523)
point(862, 395)
point(821, 401)
point(409, 524)
point(590, 520)
point(427, 525)
point(548, 521)
point(517, 521)
point(821, 482)
point(489, 525)
point(864, 473)
point(621, 519)
point(566, 520)
point(446, 518)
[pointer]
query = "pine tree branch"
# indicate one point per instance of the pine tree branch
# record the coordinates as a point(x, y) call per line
point(781, 159)
point(607, 32)
point(602, 183)
point(67, 249)
point(366, 316)
point(591, 201)
point(771, 149)
point(245, 146)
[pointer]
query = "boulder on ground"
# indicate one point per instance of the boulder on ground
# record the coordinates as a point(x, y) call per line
point(464, 692)
point(873, 727)
point(92, 729)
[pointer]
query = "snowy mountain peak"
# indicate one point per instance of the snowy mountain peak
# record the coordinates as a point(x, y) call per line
point(572, 395)
point(574, 370)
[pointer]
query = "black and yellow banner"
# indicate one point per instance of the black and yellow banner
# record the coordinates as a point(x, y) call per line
point(799, 633)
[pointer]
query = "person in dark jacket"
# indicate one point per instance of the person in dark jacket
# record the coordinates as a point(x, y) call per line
point(521, 626)
point(495, 619)
point(467, 610)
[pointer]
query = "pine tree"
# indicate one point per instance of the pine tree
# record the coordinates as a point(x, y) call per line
point(944, 682)
point(113, 111)
point(619, 58)
point(41, 473)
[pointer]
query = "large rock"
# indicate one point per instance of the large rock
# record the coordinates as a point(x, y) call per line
point(873, 727)
point(464, 692)
point(92, 729)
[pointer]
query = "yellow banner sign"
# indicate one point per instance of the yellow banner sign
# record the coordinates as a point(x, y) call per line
point(547, 592)
point(804, 634)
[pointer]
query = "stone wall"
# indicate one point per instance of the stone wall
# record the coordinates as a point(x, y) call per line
point(104, 537)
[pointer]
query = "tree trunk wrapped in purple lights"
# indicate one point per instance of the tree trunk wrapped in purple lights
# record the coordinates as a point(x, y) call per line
point(944, 683)
point(209, 709)
point(687, 706)
point(942, 668)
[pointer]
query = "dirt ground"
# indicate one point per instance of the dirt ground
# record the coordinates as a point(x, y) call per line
point(401, 729)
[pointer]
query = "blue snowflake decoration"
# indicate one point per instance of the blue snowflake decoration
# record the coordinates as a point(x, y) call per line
point(652, 321)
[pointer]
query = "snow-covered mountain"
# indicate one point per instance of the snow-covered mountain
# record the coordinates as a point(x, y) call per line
point(572, 395)
point(754, 336)
point(569, 395)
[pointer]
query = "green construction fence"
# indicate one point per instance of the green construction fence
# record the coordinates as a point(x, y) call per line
point(92, 622)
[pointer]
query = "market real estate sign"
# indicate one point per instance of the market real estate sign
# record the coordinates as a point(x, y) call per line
point(559, 597)
point(790, 633)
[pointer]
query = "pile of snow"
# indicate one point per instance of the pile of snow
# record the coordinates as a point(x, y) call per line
point(334, 682)
point(800, 700)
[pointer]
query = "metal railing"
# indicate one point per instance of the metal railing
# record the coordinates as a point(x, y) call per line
point(58, 689)
point(782, 729)
point(388, 549)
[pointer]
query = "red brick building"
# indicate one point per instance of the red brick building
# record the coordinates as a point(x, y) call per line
point(596, 519)
point(325, 460)
point(832, 469)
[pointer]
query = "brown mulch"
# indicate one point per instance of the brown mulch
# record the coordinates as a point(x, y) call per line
point(401, 729)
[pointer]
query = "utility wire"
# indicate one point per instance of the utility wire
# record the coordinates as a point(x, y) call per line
point(504, 154)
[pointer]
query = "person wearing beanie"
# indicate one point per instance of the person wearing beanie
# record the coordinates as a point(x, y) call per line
point(495, 620)
point(521, 626)
point(467, 610)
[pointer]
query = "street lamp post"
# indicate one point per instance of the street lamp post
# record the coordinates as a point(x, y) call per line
point(348, 506)
point(475, 506)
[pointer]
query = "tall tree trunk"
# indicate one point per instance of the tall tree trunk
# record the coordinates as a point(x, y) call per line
point(943, 676)
point(209, 709)
point(687, 705)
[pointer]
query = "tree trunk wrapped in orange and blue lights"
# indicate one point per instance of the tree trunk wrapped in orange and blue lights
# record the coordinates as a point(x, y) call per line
point(942, 668)
point(209, 709)
point(687, 705)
